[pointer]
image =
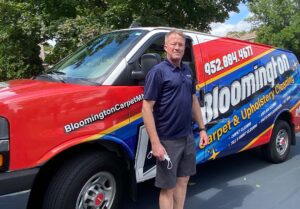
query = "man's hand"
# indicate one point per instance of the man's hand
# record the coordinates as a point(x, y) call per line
point(203, 139)
point(158, 151)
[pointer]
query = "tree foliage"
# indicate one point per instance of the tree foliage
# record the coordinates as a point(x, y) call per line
point(19, 38)
point(71, 23)
point(277, 23)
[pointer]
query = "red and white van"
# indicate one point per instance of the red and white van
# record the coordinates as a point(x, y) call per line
point(74, 136)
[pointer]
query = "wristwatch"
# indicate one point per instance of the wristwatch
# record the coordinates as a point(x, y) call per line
point(202, 129)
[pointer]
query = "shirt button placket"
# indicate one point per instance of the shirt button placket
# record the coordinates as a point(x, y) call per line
point(182, 76)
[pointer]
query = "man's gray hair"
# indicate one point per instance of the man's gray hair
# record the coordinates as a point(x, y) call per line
point(177, 32)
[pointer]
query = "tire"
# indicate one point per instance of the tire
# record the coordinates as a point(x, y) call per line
point(88, 181)
point(277, 150)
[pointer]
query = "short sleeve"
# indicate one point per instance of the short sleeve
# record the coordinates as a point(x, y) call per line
point(194, 85)
point(152, 85)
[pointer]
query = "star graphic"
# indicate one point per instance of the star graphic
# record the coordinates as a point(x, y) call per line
point(214, 154)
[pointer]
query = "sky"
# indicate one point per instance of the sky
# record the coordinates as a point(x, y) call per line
point(236, 22)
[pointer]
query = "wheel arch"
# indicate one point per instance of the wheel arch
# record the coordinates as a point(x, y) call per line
point(286, 115)
point(48, 169)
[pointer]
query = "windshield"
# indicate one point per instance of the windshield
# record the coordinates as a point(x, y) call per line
point(95, 60)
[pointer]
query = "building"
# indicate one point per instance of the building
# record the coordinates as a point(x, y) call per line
point(247, 36)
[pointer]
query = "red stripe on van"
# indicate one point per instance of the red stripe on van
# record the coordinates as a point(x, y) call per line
point(261, 139)
point(221, 55)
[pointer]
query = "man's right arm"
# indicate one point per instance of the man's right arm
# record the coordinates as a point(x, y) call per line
point(158, 150)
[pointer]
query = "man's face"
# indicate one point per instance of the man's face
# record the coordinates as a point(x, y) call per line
point(174, 47)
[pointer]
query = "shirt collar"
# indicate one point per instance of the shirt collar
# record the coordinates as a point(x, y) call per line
point(173, 67)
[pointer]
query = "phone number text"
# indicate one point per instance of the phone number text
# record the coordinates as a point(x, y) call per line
point(227, 60)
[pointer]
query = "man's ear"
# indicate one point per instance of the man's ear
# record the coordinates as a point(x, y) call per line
point(165, 47)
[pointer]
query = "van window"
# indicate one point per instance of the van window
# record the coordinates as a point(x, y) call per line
point(188, 57)
point(97, 58)
point(154, 45)
point(157, 47)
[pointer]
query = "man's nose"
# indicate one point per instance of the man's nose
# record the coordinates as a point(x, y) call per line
point(177, 46)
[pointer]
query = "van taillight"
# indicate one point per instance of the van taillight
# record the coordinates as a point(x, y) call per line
point(4, 144)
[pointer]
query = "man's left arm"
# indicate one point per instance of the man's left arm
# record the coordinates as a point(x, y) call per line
point(198, 117)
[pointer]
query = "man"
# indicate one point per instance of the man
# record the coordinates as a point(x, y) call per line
point(168, 106)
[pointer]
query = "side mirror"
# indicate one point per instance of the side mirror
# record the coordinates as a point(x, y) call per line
point(147, 62)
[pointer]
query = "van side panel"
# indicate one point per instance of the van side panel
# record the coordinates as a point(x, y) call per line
point(247, 86)
point(296, 118)
point(296, 108)
point(66, 117)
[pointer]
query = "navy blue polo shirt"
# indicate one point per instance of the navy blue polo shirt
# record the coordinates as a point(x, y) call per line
point(172, 89)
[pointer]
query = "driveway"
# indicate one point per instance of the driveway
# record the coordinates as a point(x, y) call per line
point(242, 181)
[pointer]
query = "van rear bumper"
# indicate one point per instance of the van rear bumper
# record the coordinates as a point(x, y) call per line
point(17, 181)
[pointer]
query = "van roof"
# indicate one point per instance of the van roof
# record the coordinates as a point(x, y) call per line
point(183, 30)
point(197, 32)
point(167, 28)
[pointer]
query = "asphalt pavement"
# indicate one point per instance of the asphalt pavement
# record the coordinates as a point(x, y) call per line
point(241, 181)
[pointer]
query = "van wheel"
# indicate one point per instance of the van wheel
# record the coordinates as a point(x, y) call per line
point(277, 150)
point(89, 181)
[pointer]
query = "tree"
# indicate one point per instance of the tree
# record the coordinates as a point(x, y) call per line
point(277, 23)
point(101, 16)
point(195, 14)
point(19, 38)
point(71, 23)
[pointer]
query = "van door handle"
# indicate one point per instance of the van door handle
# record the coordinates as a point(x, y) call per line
point(201, 97)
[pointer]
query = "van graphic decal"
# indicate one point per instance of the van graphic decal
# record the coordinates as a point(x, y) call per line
point(102, 114)
point(219, 64)
point(265, 134)
point(222, 99)
point(116, 127)
point(250, 121)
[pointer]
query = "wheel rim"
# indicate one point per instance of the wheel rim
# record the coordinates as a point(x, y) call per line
point(282, 141)
point(98, 192)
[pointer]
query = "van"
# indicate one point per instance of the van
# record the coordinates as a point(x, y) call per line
point(73, 137)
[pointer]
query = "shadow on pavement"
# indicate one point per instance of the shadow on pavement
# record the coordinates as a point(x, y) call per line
point(210, 188)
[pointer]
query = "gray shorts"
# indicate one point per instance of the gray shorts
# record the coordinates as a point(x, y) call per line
point(182, 153)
